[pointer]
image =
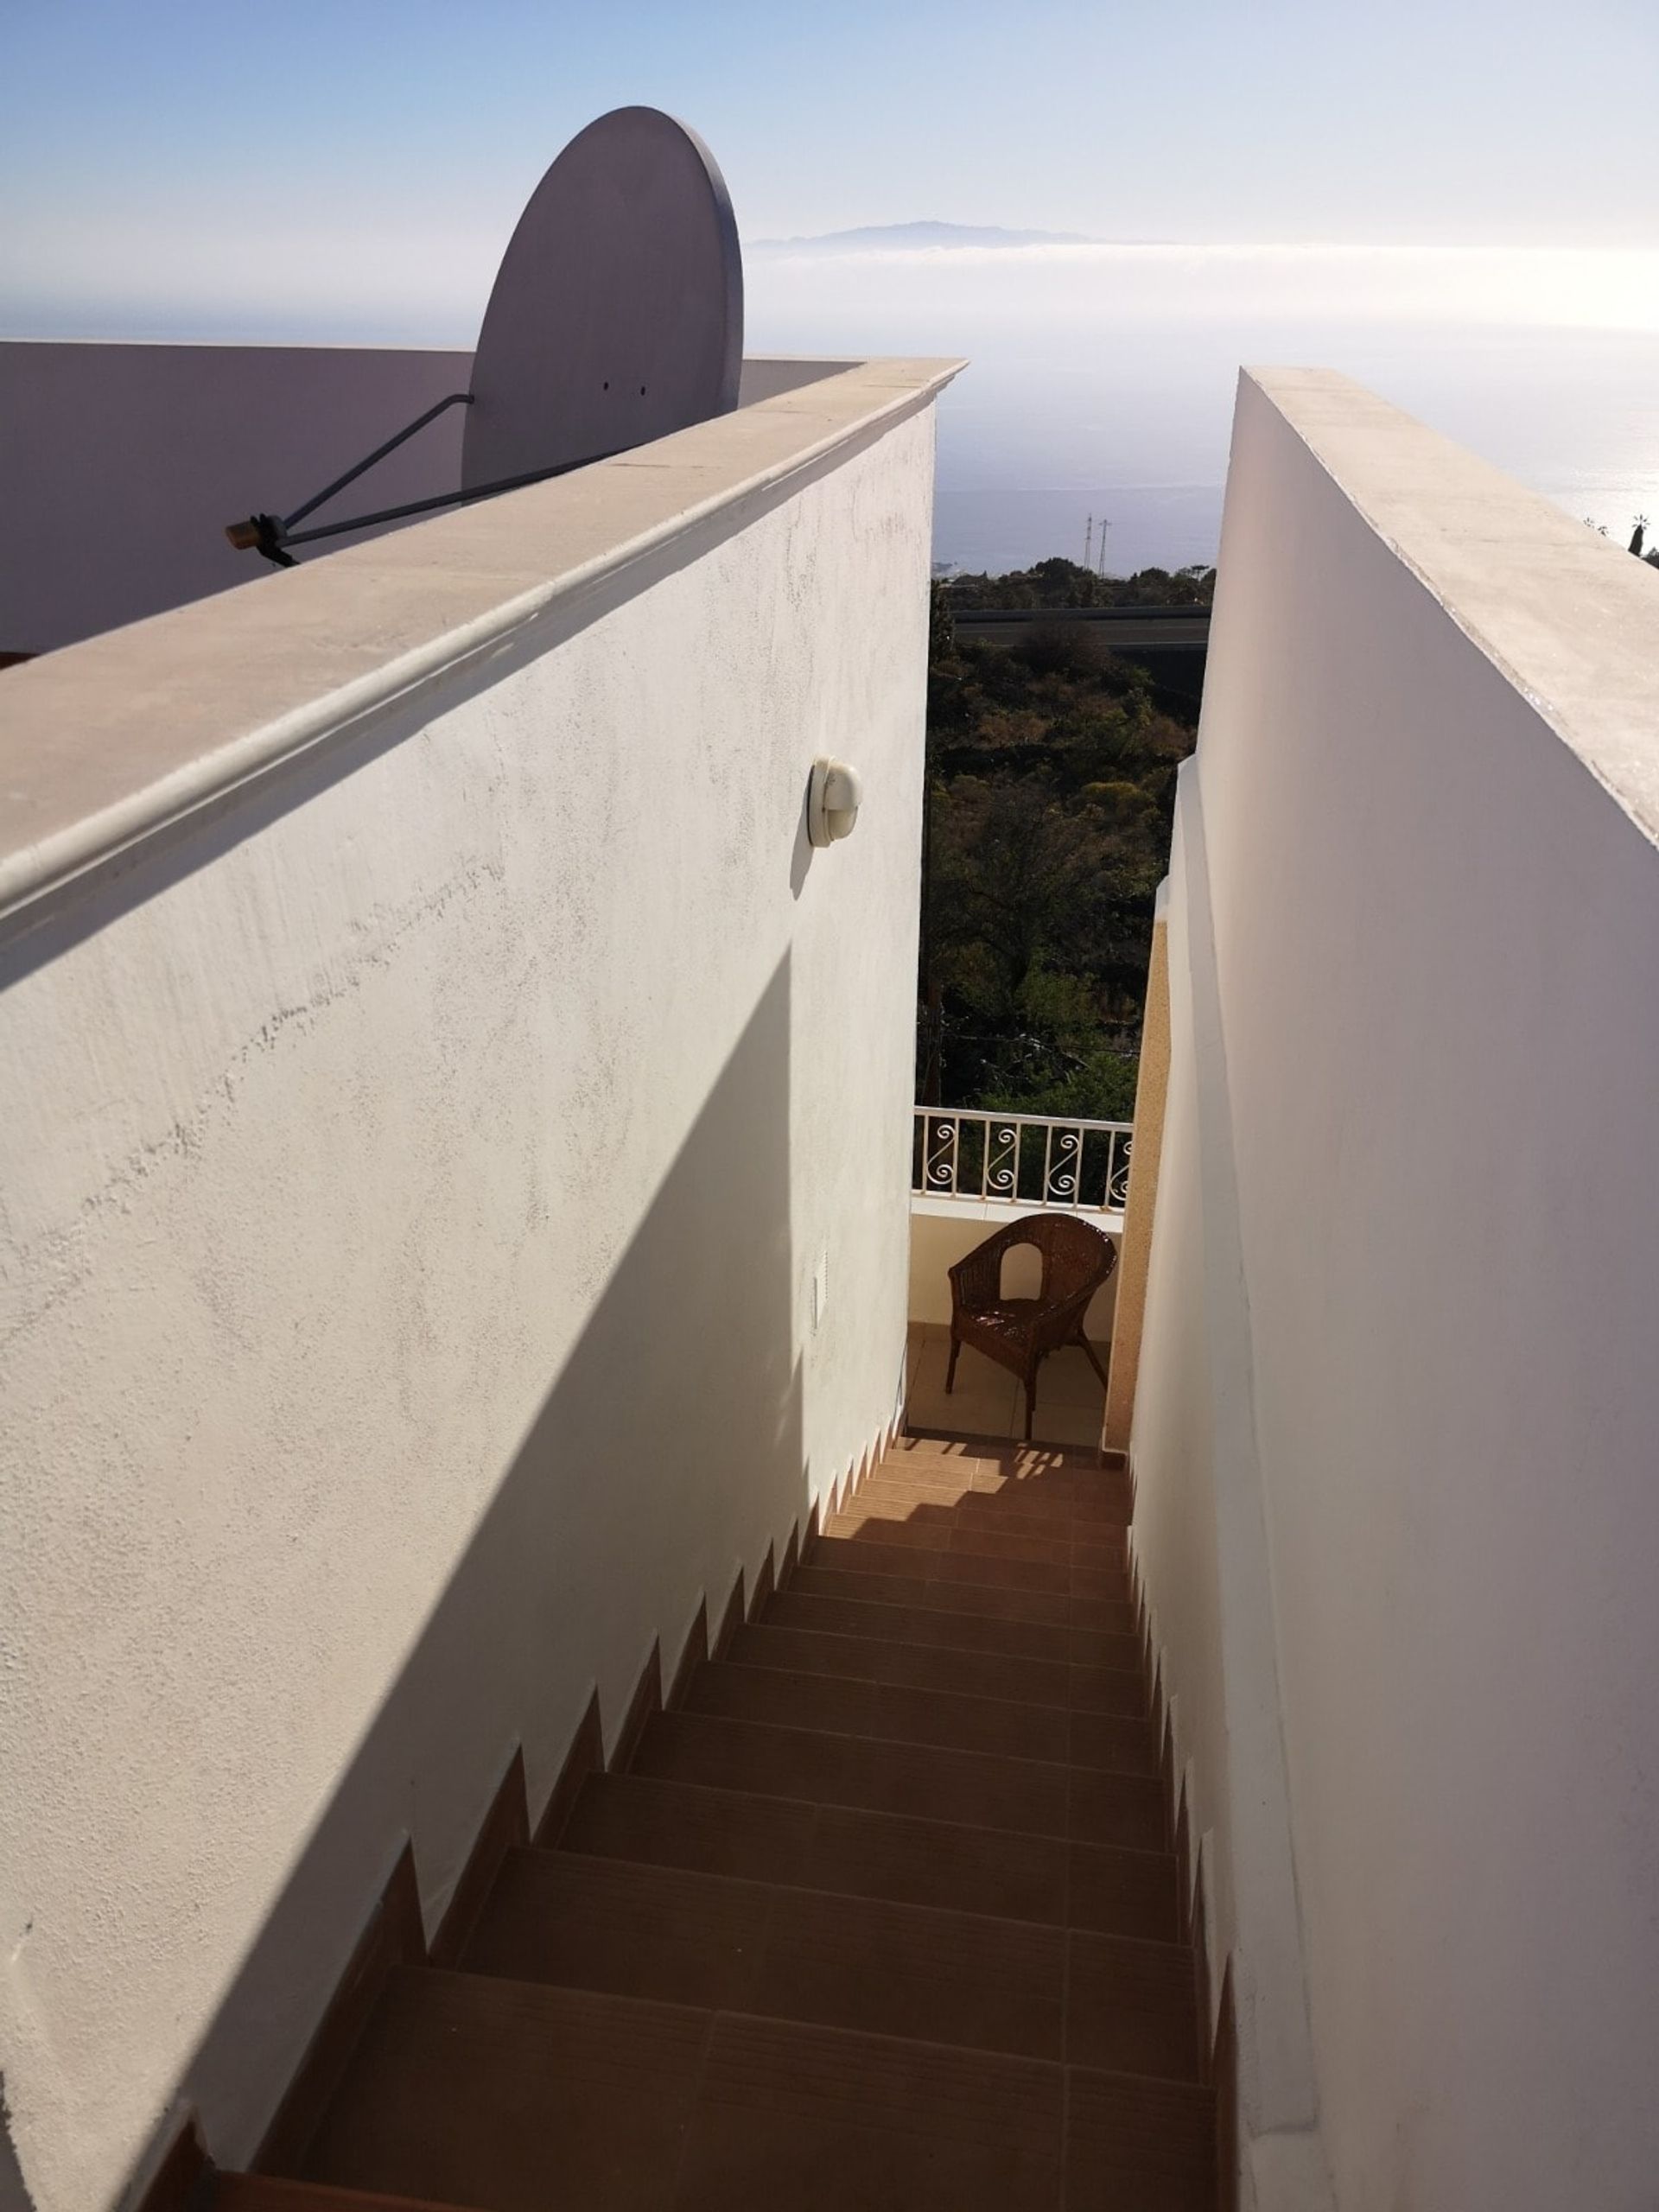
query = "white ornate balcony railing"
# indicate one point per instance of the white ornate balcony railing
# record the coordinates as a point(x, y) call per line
point(1021, 1160)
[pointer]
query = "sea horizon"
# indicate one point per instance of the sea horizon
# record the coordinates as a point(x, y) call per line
point(1101, 377)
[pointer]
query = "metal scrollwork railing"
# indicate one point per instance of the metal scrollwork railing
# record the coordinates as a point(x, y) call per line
point(1024, 1160)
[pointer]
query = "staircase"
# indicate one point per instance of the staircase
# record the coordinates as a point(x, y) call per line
point(884, 1916)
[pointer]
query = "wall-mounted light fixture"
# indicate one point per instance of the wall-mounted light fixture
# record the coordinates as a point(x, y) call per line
point(832, 801)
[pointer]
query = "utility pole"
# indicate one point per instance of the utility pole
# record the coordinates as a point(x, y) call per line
point(1089, 544)
point(1104, 527)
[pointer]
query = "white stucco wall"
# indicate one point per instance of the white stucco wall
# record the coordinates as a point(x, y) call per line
point(416, 1164)
point(1406, 1229)
point(120, 464)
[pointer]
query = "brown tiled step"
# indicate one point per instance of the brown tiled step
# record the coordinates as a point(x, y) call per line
point(1135, 1893)
point(1003, 1459)
point(825, 1607)
point(921, 1588)
point(869, 1553)
point(513, 2097)
point(947, 1486)
point(798, 1954)
point(1100, 1500)
point(1146, 2145)
point(883, 1498)
point(821, 2120)
point(1078, 1502)
point(510, 2096)
point(272, 2193)
point(1008, 1447)
point(1029, 1796)
point(899, 1713)
point(958, 1470)
point(786, 1953)
point(881, 1514)
point(1131, 2007)
point(852, 1854)
point(1043, 1543)
point(969, 1674)
point(997, 1456)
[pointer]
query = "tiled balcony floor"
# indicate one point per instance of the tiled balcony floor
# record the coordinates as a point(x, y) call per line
point(990, 1402)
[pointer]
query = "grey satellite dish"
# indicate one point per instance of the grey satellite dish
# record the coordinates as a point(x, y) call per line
point(617, 317)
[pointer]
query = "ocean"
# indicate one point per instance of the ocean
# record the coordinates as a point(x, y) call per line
point(1102, 377)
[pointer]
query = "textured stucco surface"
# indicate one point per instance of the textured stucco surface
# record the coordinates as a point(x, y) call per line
point(1141, 1204)
point(1428, 918)
point(411, 1208)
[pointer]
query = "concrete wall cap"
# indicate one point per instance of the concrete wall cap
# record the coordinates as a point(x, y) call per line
point(108, 742)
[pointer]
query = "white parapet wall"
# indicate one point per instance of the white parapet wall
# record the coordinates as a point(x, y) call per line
point(456, 1142)
point(1397, 1424)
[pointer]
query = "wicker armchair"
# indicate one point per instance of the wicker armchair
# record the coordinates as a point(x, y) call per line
point(1019, 1333)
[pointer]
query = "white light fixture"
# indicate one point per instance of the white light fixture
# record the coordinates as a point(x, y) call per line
point(832, 801)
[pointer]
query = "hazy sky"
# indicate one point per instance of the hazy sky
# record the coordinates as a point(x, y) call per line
point(359, 163)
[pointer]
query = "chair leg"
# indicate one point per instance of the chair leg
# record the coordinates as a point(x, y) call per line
point(1031, 1398)
point(1090, 1356)
point(950, 1371)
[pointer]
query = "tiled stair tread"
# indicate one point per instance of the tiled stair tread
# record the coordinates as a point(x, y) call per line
point(1131, 2007)
point(901, 1712)
point(1098, 1496)
point(1029, 1796)
point(782, 1953)
point(821, 2120)
point(884, 1855)
point(818, 2121)
point(1105, 1498)
point(1001, 1459)
point(882, 1915)
point(1038, 1542)
point(969, 1674)
point(516, 2097)
point(1145, 2144)
point(513, 2097)
point(1044, 1607)
point(782, 2122)
point(771, 1644)
point(1121, 1892)
point(634, 1931)
point(996, 1451)
point(943, 1484)
point(1093, 1488)
point(797, 1954)
point(230, 2192)
point(976, 1519)
point(1126, 1811)
point(986, 1569)
point(836, 1613)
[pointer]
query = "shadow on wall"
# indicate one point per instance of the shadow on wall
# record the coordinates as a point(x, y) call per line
point(669, 1451)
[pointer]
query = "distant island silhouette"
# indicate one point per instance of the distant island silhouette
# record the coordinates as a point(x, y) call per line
point(910, 235)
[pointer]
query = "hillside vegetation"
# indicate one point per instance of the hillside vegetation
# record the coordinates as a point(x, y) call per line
point(1050, 784)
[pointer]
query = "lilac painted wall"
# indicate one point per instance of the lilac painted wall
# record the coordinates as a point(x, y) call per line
point(121, 464)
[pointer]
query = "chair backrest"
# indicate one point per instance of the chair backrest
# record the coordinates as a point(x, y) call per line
point(1077, 1256)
